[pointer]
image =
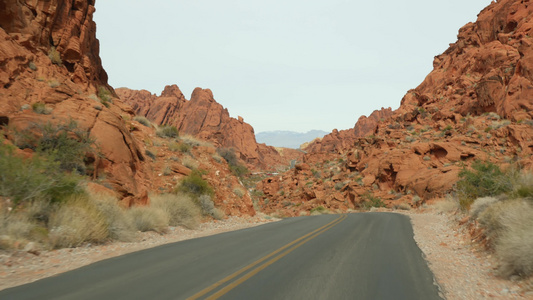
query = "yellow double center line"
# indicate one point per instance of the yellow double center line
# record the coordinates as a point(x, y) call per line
point(292, 246)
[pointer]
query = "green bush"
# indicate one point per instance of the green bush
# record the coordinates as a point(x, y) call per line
point(370, 201)
point(167, 131)
point(318, 210)
point(66, 144)
point(195, 186)
point(235, 167)
point(40, 108)
point(484, 179)
point(208, 207)
point(105, 96)
point(38, 178)
point(63, 142)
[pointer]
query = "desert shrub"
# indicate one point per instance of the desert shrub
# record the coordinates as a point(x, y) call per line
point(32, 66)
point(18, 227)
point(194, 142)
point(485, 179)
point(490, 218)
point(229, 155)
point(508, 225)
point(167, 131)
point(54, 56)
point(150, 154)
point(318, 210)
point(515, 243)
point(38, 178)
point(181, 147)
point(105, 96)
point(339, 185)
point(180, 208)
point(523, 186)
point(149, 218)
point(217, 157)
point(189, 162)
point(166, 170)
point(208, 207)
point(76, 222)
point(239, 192)
point(184, 148)
point(480, 204)
point(63, 142)
point(194, 185)
point(403, 206)
point(235, 167)
point(143, 120)
point(120, 227)
point(66, 143)
point(370, 201)
point(239, 170)
point(40, 108)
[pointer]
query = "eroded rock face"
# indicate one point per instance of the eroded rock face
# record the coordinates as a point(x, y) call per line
point(49, 54)
point(475, 104)
point(339, 141)
point(206, 119)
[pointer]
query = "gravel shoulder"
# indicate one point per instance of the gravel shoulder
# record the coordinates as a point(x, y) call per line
point(462, 270)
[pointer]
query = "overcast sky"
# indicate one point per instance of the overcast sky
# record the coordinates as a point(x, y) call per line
point(281, 64)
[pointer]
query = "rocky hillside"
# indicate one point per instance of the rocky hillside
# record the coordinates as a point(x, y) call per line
point(206, 119)
point(52, 81)
point(476, 104)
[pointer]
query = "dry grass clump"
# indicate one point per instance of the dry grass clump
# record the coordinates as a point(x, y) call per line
point(180, 209)
point(76, 222)
point(194, 142)
point(515, 244)
point(167, 131)
point(149, 218)
point(120, 226)
point(18, 228)
point(189, 162)
point(239, 192)
point(509, 225)
point(143, 120)
point(208, 207)
point(480, 205)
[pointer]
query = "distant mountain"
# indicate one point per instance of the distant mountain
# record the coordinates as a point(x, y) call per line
point(288, 139)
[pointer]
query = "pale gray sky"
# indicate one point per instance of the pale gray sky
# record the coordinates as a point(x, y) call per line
point(281, 64)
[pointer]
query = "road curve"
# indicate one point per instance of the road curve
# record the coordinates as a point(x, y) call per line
point(352, 256)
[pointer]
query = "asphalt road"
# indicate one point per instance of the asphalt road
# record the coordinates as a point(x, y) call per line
point(352, 256)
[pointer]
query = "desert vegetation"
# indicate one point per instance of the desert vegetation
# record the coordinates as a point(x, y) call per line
point(501, 202)
point(45, 204)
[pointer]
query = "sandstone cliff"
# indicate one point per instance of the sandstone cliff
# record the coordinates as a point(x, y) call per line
point(206, 119)
point(51, 73)
point(475, 104)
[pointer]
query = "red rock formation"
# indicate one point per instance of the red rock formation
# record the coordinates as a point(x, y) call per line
point(477, 103)
point(49, 55)
point(339, 141)
point(206, 119)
